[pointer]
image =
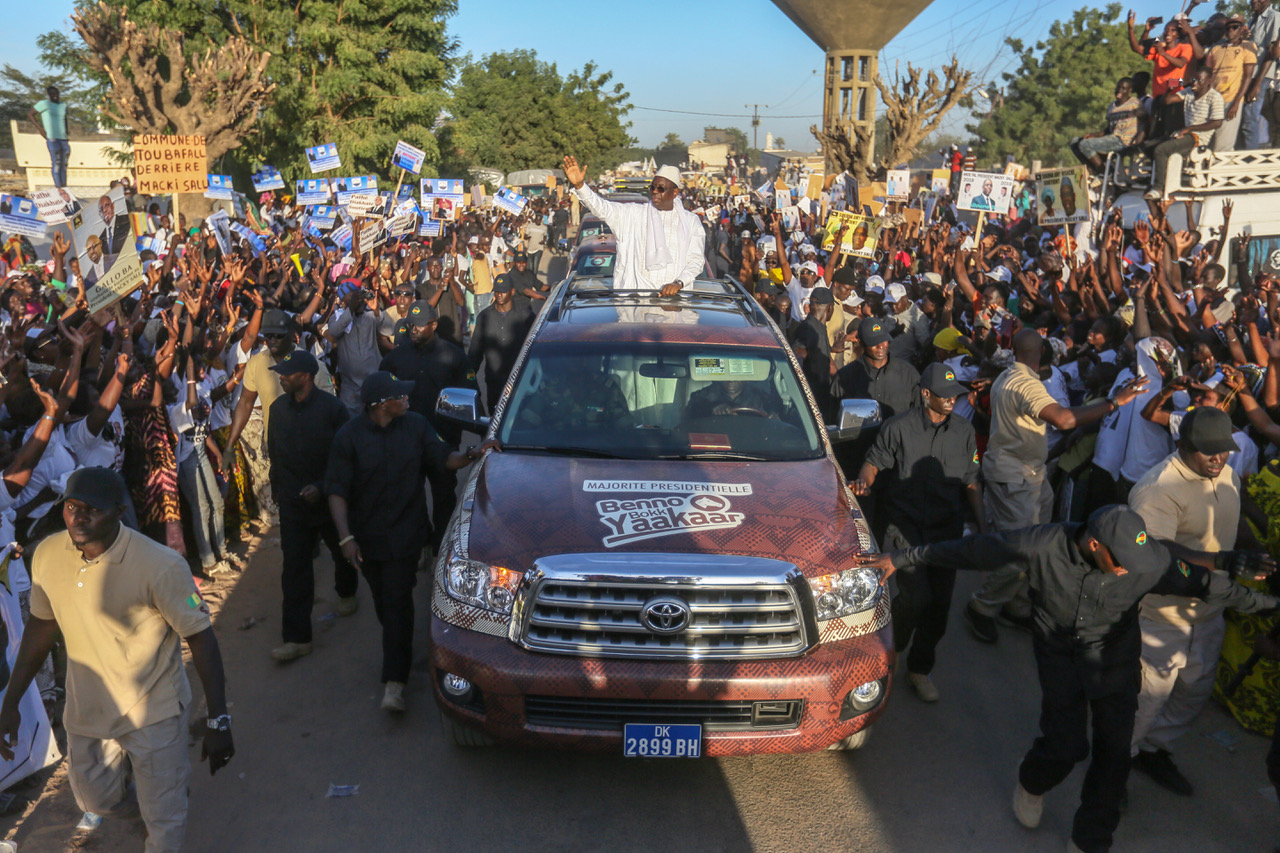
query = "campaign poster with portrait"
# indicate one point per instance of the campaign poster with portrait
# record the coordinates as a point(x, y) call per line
point(107, 249)
point(897, 185)
point(322, 216)
point(442, 208)
point(985, 191)
point(940, 181)
point(322, 158)
point(56, 205)
point(408, 157)
point(1063, 198)
point(509, 200)
point(267, 178)
point(442, 186)
point(219, 187)
point(20, 215)
point(860, 237)
point(313, 191)
point(345, 188)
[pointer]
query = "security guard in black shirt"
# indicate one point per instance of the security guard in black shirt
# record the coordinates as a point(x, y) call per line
point(432, 364)
point(1086, 581)
point(374, 483)
point(925, 461)
point(891, 382)
point(303, 423)
point(813, 349)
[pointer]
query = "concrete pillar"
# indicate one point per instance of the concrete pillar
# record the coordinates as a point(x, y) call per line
point(850, 98)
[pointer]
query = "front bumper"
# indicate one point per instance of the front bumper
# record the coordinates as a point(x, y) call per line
point(505, 673)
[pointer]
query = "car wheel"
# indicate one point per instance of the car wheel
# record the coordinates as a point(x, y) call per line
point(857, 740)
point(463, 735)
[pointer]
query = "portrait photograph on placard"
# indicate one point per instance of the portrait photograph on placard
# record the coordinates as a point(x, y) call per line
point(985, 191)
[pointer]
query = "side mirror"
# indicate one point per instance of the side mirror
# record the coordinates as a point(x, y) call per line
point(462, 407)
point(856, 418)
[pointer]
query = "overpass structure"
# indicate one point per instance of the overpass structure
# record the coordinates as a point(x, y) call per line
point(852, 32)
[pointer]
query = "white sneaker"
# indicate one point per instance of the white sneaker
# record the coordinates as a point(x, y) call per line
point(1152, 195)
point(222, 567)
point(393, 697)
point(923, 685)
point(1027, 807)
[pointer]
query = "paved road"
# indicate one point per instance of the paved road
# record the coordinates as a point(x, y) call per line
point(934, 777)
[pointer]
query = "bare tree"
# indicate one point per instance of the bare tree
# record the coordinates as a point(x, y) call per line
point(846, 148)
point(914, 111)
point(157, 88)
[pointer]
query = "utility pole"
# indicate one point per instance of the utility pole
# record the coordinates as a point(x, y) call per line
point(755, 124)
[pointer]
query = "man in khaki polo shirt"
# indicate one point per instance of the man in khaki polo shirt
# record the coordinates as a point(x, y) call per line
point(1016, 489)
point(1191, 498)
point(123, 604)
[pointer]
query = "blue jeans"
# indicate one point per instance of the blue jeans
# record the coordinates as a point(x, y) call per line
point(59, 154)
point(196, 479)
point(1086, 148)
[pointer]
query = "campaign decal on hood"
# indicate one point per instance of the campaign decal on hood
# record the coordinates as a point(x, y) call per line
point(646, 509)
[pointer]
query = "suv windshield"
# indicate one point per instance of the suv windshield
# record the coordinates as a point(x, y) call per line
point(668, 401)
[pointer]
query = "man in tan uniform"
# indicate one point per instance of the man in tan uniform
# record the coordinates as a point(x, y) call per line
point(124, 604)
point(1016, 487)
point(1191, 498)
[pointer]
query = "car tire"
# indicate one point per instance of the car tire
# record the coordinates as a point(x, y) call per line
point(857, 740)
point(462, 735)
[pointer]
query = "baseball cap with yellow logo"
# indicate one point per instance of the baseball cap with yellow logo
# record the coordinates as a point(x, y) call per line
point(1125, 534)
point(940, 381)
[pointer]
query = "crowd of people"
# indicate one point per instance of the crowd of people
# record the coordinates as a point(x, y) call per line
point(1088, 412)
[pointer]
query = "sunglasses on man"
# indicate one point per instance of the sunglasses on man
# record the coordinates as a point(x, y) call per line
point(655, 189)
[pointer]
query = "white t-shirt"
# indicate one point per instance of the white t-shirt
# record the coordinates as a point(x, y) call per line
point(52, 470)
point(219, 412)
point(104, 450)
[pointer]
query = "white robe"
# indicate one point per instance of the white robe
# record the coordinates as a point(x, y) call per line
point(630, 224)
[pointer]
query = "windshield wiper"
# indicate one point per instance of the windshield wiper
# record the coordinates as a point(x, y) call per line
point(720, 454)
point(570, 451)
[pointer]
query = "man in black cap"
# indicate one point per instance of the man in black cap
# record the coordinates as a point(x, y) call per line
point(813, 350)
point(1087, 581)
point(1191, 498)
point(124, 605)
point(253, 409)
point(432, 364)
point(530, 293)
point(304, 421)
point(374, 482)
point(876, 375)
point(500, 332)
point(926, 461)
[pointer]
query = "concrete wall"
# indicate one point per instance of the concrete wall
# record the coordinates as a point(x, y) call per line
point(88, 168)
point(715, 155)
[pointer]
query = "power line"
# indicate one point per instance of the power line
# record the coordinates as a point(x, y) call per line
point(715, 115)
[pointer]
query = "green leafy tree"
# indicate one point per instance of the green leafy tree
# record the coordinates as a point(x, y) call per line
point(738, 137)
point(359, 74)
point(1060, 89)
point(512, 111)
point(19, 92)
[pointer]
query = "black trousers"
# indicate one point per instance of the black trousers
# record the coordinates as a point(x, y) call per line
point(1064, 741)
point(298, 535)
point(392, 582)
point(923, 602)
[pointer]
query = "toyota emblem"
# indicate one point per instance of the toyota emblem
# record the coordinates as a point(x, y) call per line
point(665, 615)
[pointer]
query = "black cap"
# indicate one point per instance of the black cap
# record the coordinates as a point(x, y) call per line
point(873, 331)
point(100, 488)
point(1208, 430)
point(298, 361)
point(822, 296)
point(421, 313)
point(519, 256)
point(276, 322)
point(503, 284)
point(940, 381)
point(381, 385)
point(1125, 534)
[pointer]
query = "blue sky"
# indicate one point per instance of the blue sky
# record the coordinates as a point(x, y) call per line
point(705, 56)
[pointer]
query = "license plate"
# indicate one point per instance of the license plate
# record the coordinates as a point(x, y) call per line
point(642, 740)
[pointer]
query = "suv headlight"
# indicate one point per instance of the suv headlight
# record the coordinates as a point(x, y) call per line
point(845, 593)
point(481, 585)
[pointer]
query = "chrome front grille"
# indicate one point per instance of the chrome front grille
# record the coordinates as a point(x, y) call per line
point(731, 616)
